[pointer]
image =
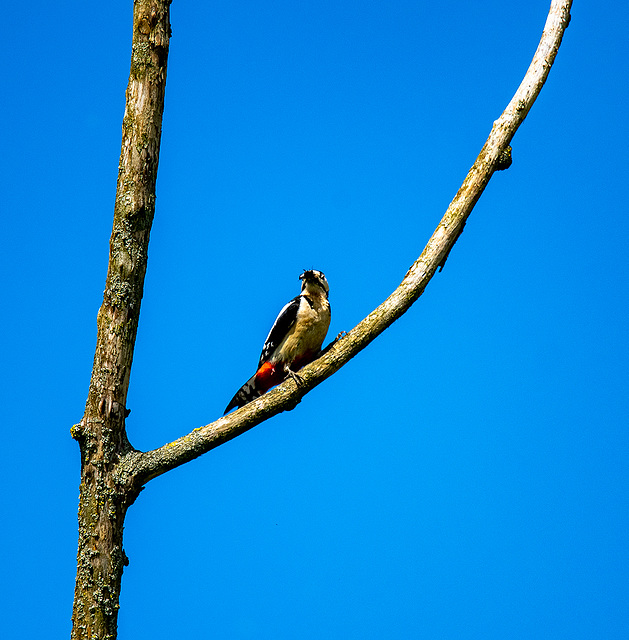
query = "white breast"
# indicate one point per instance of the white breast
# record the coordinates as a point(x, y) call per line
point(308, 333)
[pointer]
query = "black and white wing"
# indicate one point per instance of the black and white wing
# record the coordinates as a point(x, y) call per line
point(282, 325)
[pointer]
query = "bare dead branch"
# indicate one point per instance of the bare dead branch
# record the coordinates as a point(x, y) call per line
point(101, 433)
point(138, 467)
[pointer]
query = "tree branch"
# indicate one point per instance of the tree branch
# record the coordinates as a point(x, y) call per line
point(139, 467)
point(101, 433)
point(133, 213)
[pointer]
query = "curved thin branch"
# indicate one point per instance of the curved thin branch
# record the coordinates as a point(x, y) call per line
point(138, 467)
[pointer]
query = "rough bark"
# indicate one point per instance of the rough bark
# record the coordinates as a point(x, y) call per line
point(140, 467)
point(112, 472)
point(101, 433)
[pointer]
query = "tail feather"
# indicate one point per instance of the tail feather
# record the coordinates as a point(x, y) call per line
point(245, 394)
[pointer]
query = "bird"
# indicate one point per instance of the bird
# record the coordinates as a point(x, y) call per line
point(294, 341)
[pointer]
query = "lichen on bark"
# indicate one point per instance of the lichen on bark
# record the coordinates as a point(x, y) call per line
point(103, 500)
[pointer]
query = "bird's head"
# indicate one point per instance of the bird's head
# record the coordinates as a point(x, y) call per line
point(313, 280)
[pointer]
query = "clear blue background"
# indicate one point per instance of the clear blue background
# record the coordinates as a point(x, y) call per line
point(466, 475)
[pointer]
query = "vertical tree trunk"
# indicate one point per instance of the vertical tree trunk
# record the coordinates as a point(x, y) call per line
point(101, 434)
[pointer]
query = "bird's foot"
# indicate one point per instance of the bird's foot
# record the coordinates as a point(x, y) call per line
point(295, 376)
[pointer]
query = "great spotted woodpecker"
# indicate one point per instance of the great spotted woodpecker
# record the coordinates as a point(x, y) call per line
point(295, 339)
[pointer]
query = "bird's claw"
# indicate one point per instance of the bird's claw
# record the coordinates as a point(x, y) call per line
point(295, 376)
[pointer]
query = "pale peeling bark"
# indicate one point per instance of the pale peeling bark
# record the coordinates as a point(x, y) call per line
point(101, 433)
point(139, 467)
point(112, 471)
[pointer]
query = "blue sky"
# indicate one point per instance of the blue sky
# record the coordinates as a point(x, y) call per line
point(466, 475)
